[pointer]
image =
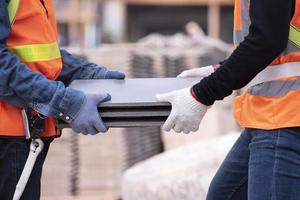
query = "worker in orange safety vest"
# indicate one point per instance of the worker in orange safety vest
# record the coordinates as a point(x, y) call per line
point(34, 75)
point(264, 162)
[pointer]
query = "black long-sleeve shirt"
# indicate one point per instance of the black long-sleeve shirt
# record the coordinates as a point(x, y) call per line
point(268, 37)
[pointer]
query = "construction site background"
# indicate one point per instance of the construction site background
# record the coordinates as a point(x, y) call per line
point(144, 39)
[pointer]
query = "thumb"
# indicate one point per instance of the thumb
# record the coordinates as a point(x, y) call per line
point(182, 74)
point(102, 97)
point(190, 73)
point(166, 97)
point(114, 75)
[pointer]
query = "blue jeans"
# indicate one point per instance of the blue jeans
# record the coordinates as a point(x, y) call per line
point(13, 155)
point(262, 165)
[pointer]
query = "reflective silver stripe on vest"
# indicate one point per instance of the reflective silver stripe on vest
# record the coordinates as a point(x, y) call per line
point(291, 48)
point(238, 36)
point(275, 88)
point(267, 86)
point(276, 72)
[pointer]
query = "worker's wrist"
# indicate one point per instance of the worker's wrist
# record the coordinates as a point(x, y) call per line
point(62, 106)
point(199, 95)
point(70, 105)
point(195, 97)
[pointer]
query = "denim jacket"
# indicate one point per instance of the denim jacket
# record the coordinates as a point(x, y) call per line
point(22, 87)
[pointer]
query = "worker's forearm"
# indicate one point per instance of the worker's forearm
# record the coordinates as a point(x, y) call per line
point(268, 36)
point(47, 97)
point(75, 67)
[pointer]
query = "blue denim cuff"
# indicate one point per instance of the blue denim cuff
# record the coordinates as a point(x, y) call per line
point(63, 106)
point(70, 104)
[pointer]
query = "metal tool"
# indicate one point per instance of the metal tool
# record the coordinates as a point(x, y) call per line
point(36, 147)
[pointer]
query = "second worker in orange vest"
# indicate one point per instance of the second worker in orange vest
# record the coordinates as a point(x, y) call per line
point(264, 163)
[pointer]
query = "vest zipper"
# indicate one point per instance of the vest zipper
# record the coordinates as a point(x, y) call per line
point(43, 3)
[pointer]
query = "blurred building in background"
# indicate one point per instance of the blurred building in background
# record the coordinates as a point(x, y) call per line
point(87, 23)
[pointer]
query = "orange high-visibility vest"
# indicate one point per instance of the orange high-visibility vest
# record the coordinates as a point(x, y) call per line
point(273, 103)
point(34, 40)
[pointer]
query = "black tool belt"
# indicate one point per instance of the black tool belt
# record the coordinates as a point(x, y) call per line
point(36, 124)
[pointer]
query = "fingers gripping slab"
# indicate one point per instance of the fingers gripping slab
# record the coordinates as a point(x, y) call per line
point(186, 113)
point(88, 120)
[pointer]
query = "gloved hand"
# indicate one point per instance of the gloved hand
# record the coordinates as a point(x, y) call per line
point(186, 113)
point(197, 72)
point(76, 67)
point(100, 72)
point(114, 75)
point(88, 120)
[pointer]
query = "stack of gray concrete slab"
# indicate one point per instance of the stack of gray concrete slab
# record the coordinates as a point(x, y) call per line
point(133, 102)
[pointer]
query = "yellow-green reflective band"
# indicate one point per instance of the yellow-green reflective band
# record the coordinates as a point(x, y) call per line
point(36, 52)
point(294, 36)
point(12, 8)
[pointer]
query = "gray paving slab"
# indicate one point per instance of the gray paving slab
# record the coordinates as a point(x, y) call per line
point(135, 114)
point(133, 102)
point(126, 122)
point(133, 105)
point(135, 108)
point(133, 92)
point(138, 111)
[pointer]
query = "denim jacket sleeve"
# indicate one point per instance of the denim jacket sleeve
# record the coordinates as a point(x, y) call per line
point(75, 67)
point(19, 84)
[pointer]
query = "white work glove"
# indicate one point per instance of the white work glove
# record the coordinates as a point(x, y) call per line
point(186, 113)
point(197, 72)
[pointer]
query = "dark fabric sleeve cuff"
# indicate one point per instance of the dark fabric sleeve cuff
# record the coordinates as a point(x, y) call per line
point(195, 97)
point(200, 94)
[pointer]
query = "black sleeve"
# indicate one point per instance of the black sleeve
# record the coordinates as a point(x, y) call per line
point(268, 37)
